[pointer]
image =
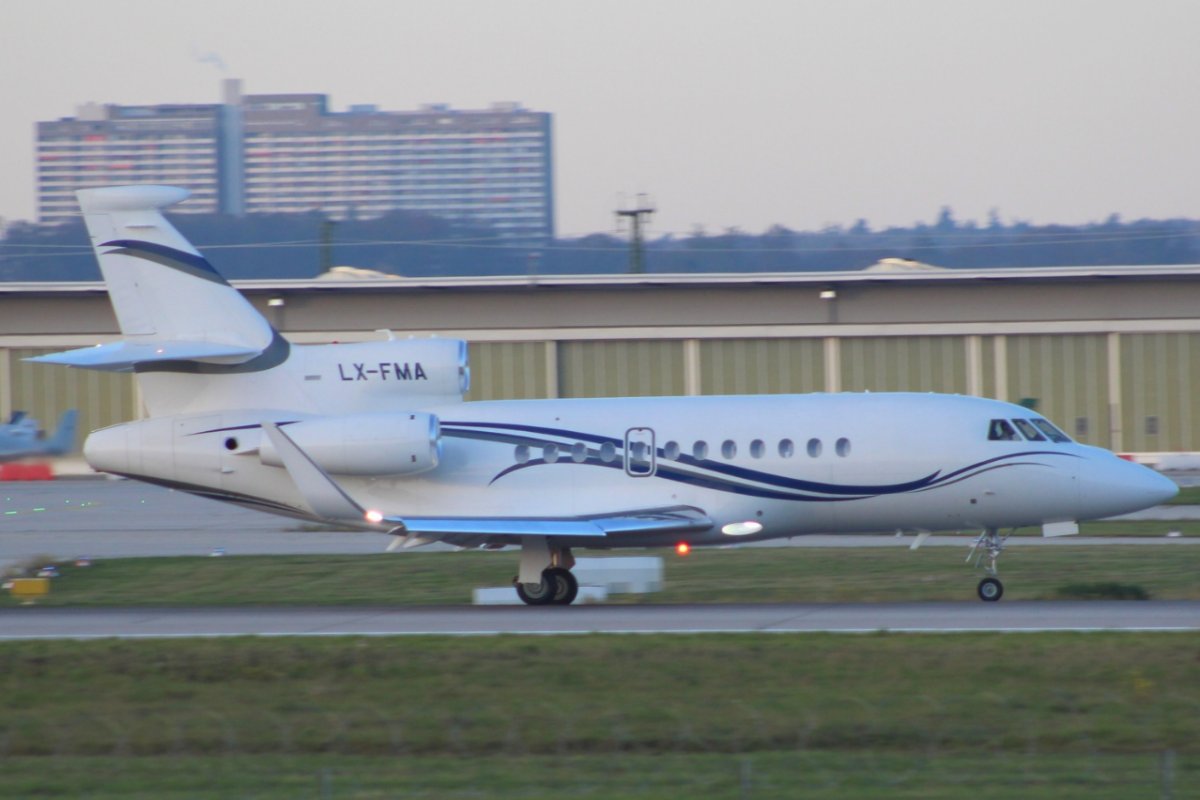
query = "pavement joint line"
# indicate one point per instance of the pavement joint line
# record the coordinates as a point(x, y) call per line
point(586, 632)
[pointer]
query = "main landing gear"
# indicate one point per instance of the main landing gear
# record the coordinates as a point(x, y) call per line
point(988, 546)
point(545, 577)
point(557, 587)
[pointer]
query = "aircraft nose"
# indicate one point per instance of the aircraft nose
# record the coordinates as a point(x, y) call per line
point(1111, 486)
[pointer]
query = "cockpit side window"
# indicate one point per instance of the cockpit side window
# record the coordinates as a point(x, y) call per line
point(1054, 433)
point(1031, 433)
point(1000, 431)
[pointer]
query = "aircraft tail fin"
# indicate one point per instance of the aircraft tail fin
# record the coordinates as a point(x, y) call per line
point(63, 440)
point(170, 303)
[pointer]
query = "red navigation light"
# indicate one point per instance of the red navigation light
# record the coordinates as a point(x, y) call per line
point(683, 548)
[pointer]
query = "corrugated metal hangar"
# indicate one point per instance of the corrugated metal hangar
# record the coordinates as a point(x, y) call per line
point(1112, 355)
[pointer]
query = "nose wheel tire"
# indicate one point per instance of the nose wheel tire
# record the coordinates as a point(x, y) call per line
point(990, 590)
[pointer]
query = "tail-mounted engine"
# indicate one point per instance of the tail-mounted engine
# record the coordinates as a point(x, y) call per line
point(405, 443)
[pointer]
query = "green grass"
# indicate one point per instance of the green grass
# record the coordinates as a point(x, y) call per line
point(1143, 528)
point(776, 574)
point(1042, 715)
point(865, 775)
point(1188, 496)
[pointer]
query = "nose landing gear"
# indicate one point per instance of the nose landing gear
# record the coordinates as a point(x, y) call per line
point(988, 546)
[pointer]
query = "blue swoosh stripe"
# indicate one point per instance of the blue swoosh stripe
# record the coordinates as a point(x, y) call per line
point(668, 471)
point(731, 470)
point(190, 263)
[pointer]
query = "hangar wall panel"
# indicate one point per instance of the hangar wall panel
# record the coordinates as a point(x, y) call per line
point(627, 368)
point(507, 370)
point(102, 398)
point(1066, 379)
point(989, 385)
point(1161, 391)
point(762, 366)
point(904, 364)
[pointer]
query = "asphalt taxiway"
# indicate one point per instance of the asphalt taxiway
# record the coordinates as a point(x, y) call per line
point(1032, 616)
point(100, 518)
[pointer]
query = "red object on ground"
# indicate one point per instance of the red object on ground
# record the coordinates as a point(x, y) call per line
point(26, 472)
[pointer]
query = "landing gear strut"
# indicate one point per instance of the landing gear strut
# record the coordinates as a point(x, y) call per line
point(988, 546)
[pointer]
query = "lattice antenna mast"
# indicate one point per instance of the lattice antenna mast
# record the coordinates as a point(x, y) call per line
point(643, 208)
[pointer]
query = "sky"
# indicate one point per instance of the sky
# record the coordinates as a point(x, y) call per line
point(727, 114)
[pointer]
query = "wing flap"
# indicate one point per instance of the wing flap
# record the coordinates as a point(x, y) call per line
point(677, 519)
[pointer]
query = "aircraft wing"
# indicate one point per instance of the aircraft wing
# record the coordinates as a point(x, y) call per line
point(328, 500)
point(676, 519)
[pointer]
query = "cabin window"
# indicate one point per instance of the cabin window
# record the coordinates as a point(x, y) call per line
point(550, 453)
point(729, 448)
point(1028, 431)
point(579, 452)
point(608, 452)
point(757, 449)
point(787, 448)
point(671, 451)
point(521, 454)
point(1052, 432)
point(842, 447)
point(700, 450)
point(814, 447)
point(1000, 431)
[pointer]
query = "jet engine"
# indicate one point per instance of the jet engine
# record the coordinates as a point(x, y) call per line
point(405, 443)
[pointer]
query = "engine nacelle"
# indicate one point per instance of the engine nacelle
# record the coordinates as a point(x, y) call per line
point(405, 443)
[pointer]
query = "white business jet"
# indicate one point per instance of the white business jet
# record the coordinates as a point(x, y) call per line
point(377, 435)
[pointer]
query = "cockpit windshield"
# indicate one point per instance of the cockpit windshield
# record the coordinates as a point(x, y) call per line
point(1054, 433)
point(1028, 431)
point(1001, 431)
point(1034, 430)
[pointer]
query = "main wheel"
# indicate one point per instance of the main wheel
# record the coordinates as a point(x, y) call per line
point(539, 594)
point(990, 590)
point(568, 587)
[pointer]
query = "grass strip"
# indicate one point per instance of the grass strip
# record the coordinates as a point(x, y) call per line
point(769, 775)
point(1188, 496)
point(587, 695)
point(775, 574)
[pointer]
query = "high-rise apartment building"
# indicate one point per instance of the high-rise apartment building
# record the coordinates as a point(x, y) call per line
point(289, 153)
point(107, 145)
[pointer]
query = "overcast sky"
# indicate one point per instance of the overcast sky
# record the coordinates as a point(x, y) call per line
point(746, 113)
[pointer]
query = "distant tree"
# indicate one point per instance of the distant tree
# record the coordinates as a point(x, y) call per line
point(945, 221)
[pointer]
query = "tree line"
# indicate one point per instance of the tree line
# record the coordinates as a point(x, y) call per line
point(410, 244)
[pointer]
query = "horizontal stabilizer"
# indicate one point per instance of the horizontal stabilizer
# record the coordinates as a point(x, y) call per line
point(123, 356)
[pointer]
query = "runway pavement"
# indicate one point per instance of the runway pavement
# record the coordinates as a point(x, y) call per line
point(1011, 617)
point(102, 518)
